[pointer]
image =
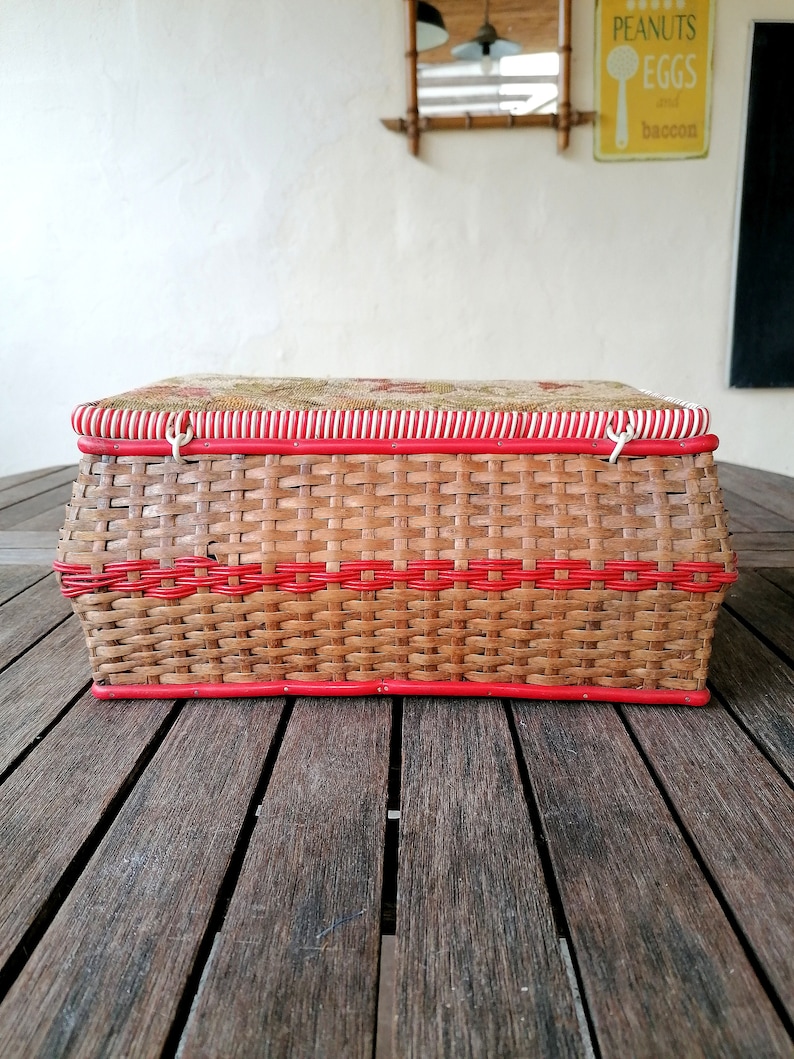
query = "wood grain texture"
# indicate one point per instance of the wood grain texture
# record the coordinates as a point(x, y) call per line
point(767, 608)
point(107, 977)
point(763, 541)
point(17, 579)
point(28, 486)
point(35, 688)
point(751, 559)
point(51, 519)
point(747, 515)
point(758, 687)
point(782, 578)
point(296, 964)
point(740, 814)
point(478, 964)
point(534, 26)
point(12, 515)
point(10, 480)
point(28, 538)
point(773, 492)
point(36, 556)
point(663, 973)
point(50, 804)
point(29, 616)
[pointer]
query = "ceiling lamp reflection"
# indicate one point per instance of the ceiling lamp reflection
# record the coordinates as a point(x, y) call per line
point(430, 29)
point(487, 44)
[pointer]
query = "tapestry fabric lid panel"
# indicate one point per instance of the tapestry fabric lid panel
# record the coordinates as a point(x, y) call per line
point(233, 406)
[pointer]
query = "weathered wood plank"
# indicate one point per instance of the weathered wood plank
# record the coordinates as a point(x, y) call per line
point(478, 964)
point(740, 815)
point(782, 578)
point(32, 486)
point(28, 538)
point(304, 921)
point(775, 492)
point(384, 1044)
point(751, 559)
point(107, 976)
point(35, 688)
point(764, 548)
point(753, 474)
point(744, 514)
point(52, 519)
point(13, 515)
point(767, 608)
point(36, 547)
point(9, 481)
point(757, 686)
point(27, 556)
point(29, 616)
point(736, 524)
point(50, 804)
point(764, 542)
point(663, 972)
point(17, 579)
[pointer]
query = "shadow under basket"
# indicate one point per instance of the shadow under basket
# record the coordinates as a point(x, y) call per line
point(541, 567)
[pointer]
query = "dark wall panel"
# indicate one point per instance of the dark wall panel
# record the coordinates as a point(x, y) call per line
point(763, 327)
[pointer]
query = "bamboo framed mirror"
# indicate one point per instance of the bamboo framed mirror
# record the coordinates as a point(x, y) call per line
point(488, 64)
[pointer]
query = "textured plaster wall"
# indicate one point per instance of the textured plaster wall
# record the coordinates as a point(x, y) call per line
point(204, 185)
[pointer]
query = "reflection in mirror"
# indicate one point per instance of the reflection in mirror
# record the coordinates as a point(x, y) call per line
point(430, 28)
point(488, 63)
point(516, 84)
point(500, 58)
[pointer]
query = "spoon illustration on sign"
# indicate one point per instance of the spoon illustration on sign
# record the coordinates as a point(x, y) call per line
point(622, 64)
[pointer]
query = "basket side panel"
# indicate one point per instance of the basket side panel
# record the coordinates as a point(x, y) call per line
point(396, 509)
point(266, 510)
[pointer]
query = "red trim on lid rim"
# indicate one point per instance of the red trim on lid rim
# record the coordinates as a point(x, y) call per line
point(96, 446)
point(550, 692)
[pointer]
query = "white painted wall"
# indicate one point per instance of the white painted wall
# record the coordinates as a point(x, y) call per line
point(205, 185)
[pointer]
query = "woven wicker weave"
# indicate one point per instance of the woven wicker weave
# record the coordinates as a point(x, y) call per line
point(644, 621)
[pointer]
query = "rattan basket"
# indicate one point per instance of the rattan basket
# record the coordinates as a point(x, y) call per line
point(207, 551)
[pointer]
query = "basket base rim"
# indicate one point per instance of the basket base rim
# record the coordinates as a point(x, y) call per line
point(437, 688)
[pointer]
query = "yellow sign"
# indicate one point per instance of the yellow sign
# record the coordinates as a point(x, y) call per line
point(653, 78)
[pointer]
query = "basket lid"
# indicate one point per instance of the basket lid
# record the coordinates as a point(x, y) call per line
point(243, 407)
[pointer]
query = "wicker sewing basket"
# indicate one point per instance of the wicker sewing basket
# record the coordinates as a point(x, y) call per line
point(230, 535)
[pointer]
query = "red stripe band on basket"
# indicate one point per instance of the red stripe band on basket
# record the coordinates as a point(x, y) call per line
point(193, 574)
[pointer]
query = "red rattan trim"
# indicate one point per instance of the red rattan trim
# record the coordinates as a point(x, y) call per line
point(192, 574)
point(550, 692)
point(680, 420)
point(230, 446)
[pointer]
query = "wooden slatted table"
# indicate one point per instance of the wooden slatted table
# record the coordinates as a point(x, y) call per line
point(380, 877)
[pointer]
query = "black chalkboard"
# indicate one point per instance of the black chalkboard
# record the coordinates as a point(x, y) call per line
point(763, 325)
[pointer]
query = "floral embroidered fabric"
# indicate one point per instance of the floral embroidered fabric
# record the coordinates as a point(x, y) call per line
point(218, 393)
point(243, 407)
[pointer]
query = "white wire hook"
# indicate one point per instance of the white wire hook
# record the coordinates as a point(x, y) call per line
point(178, 439)
point(621, 439)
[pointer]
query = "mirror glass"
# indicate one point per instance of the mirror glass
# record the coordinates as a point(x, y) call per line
point(500, 58)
